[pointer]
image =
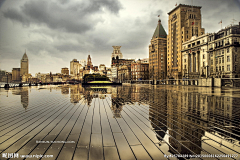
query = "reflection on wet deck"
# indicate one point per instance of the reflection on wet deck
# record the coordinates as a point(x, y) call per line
point(125, 122)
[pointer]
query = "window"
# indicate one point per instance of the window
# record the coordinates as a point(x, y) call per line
point(227, 50)
point(203, 64)
point(222, 68)
point(219, 68)
point(216, 69)
point(222, 59)
point(219, 60)
point(203, 56)
point(185, 60)
point(228, 58)
point(223, 51)
point(228, 67)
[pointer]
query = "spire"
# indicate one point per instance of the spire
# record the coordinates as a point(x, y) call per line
point(25, 55)
point(159, 32)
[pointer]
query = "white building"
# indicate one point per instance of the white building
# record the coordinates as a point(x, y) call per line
point(195, 59)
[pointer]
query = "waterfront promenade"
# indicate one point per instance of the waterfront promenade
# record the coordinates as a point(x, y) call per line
point(125, 122)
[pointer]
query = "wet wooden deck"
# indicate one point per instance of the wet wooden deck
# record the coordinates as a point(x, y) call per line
point(97, 131)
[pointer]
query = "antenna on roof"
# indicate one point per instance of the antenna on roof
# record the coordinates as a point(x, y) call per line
point(233, 20)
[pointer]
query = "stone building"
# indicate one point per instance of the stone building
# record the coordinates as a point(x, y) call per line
point(83, 62)
point(117, 54)
point(102, 67)
point(89, 63)
point(139, 71)
point(224, 51)
point(16, 74)
point(195, 59)
point(65, 71)
point(75, 67)
point(158, 54)
point(24, 65)
point(124, 73)
point(184, 22)
point(116, 64)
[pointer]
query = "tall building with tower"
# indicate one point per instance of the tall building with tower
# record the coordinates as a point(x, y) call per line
point(74, 67)
point(24, 65)
point(184, 22)
point(89, 63)
point(158, 54)
point(117, 54)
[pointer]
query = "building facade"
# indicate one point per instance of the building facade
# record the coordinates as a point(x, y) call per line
point(158, 54)
point(65, 71)
point(139, 71)
point(74, 67)
point(184, 22)
point(16, 74)
point(83, 62)
point(89, 63)
point(117, 54)
point(224, 51)
point(195, 59)
point(24, 65)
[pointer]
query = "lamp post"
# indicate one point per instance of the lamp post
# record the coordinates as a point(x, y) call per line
point(6, 85)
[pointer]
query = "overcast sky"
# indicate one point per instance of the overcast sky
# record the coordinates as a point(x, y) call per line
point(54, 32)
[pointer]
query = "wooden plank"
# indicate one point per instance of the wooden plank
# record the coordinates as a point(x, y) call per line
point(96, 148)
point(124, 150)
point(15, 138)
point(96, 126)
point(110, 153)
point(81, 153)
point(154, 152)
point(42, 147)
point(131, 138)
point(106, 130)
point(69, 121)
point(140, 153)
point(84, 139)
point(113, 123)
point(69, 148)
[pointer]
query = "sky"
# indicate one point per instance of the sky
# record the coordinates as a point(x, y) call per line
point(57, 31)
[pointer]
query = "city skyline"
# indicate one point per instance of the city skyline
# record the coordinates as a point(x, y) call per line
point(53, 35)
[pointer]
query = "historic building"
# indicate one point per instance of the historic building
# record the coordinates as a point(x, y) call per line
point(158, 54)
point(139, 70)
point(117, 54)
point(65, 71)
point(89, 63)
point(184, 22)
point(16, 74)
point(195, 59)
point(124, 73)
point(224, 51)
point(74, 67)
point(83, 62)
point(24, 65)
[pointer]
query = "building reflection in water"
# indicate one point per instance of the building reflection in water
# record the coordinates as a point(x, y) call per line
point(23, 92)
point(158, 112)
point(186, 118)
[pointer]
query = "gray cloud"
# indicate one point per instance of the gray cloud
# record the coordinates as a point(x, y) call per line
point(73, 18)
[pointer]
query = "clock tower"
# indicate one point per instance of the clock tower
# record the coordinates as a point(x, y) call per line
point(117, 54)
